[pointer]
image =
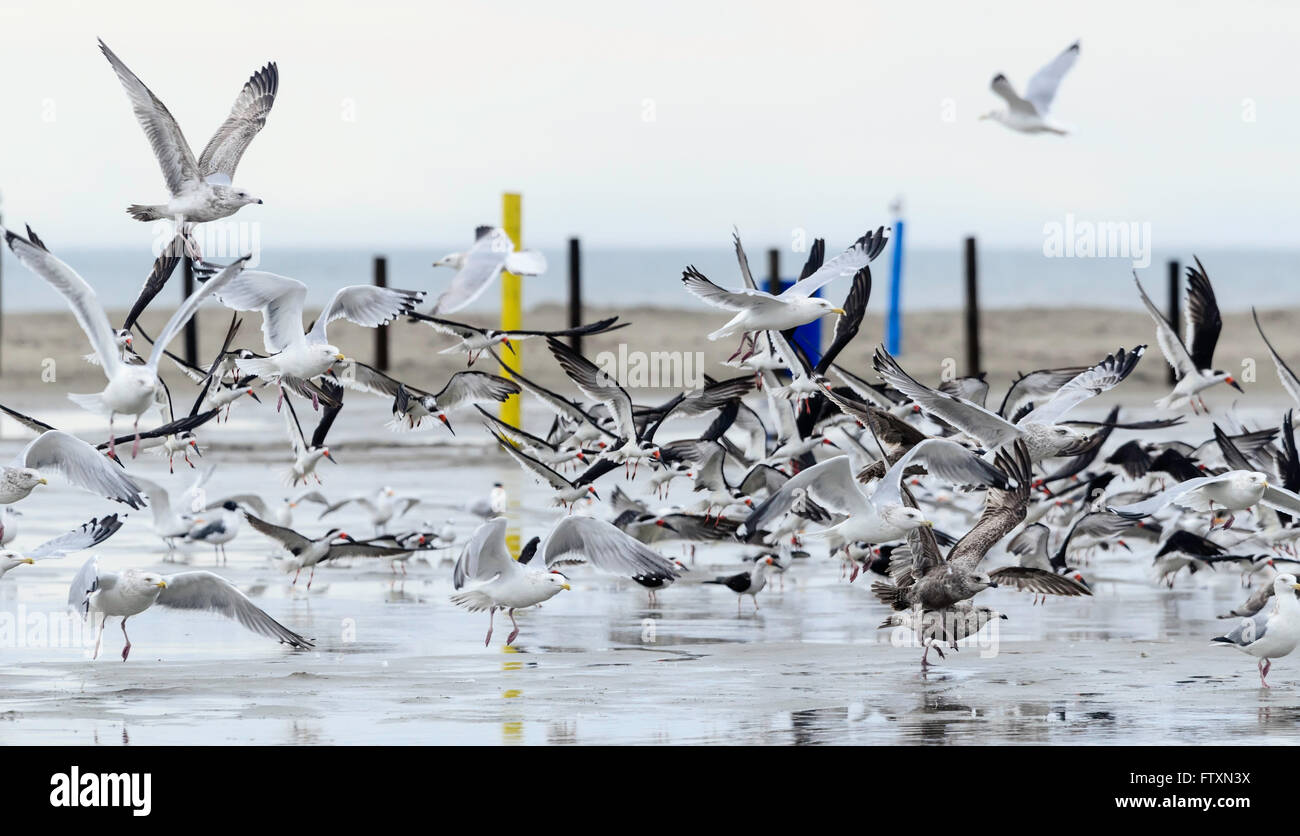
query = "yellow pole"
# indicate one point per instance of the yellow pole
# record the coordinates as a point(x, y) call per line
point(512, 292)
point(512, 303)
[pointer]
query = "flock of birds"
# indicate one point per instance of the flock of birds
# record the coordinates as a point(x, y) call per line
point(861, 462)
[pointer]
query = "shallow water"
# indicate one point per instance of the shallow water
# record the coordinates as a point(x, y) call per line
point(396, 663)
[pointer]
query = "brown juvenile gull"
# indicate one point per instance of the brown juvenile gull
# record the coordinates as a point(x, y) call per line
point(923, 578)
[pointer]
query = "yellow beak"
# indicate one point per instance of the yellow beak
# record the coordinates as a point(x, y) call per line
point(839, 311)
point(339, 357)
point(31, 562)
point(1293, 586)
point(44, 481)
point(162, 584)
point(566, 586)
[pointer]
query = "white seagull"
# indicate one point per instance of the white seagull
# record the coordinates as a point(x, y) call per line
point(132, 592)
point(295, 355)
point(1029, 114)
point(132, 389)
point(491, 253)
point(75, 460)
point(201, 189)
point(499, 581)
point(1270, 635)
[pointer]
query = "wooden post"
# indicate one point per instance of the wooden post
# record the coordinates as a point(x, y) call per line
point(972, 311)
point(381, 334)
point(1174, 316)
point(575, 292)
point(774, 271)
point(191, 327)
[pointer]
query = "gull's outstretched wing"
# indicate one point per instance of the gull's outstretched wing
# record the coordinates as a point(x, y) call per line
point(80, 464)
point(1008, 94)
point(990, 429)
point(213, 593)
point(247, 116)
point(475, 387)
point(1038, 581)
point(179, 168)
point(278, 298)
point(365, 305)
point(1043, 84)
point(484, 556)
point(605, 547)
point(191, 306)
point(847, 263)
point(945, 459)
point(598, 386)
point(85, 536)
point(1004, 509)
point(31, 251)
point(1102, 377)
point(483, 263)
point(699, 286)
point(1151, 505)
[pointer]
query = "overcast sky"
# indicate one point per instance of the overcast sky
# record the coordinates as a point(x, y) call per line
point(665, 123)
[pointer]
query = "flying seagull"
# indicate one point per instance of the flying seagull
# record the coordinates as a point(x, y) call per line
point(491, 253)
point(130, 593)
point(1028, 114)
point(131, 390)
point(201, 190)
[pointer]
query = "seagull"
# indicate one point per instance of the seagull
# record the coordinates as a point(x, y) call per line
point(132, 390)
point(757, 310)
point(307, 552)
point(293, 355)
point(747, 583)
point(1029, 114)
point(882, 516)
point(8, 525)
point(201, 190)
point(86, 536)
point(947, 626)
point(1234, 490)
point(72, 458)
point(491, 253)
point(1037, 572)
point(307, 455)
point(498, 580)
point(170, 524)
point(1192, 358)
point(473, 341)
point(130, 593)
point(1285, 376)
point(1270, 635)
point(493, 505)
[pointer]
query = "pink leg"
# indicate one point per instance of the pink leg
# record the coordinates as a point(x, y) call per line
point(514, 634)
point(126, 651)
point(492, 614)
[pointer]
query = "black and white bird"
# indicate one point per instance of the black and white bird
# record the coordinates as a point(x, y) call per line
point(474, 341)
point(747, 583)
point(217, 533)
point(307, 552)
point(1192, 357)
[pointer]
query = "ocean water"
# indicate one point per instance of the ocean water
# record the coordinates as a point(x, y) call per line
point(932, 278)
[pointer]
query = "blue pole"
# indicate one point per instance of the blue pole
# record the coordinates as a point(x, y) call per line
point(894, 327)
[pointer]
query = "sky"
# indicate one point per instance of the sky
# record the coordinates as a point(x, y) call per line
point(665, 124)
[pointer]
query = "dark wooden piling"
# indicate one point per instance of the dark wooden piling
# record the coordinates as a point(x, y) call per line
point(972, 311)
point(575, 292)
point(191, 327)
point(773, 271)
point(381, 334)
point(1174, 315)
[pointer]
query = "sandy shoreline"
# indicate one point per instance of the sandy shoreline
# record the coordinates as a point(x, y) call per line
point(1012, 341)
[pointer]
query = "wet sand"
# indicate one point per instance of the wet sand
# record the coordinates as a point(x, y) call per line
point(396, 663)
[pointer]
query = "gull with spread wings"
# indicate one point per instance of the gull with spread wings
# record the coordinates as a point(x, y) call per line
point(1028, 114)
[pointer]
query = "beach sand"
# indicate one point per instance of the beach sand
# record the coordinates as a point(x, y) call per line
point(1012, 341)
